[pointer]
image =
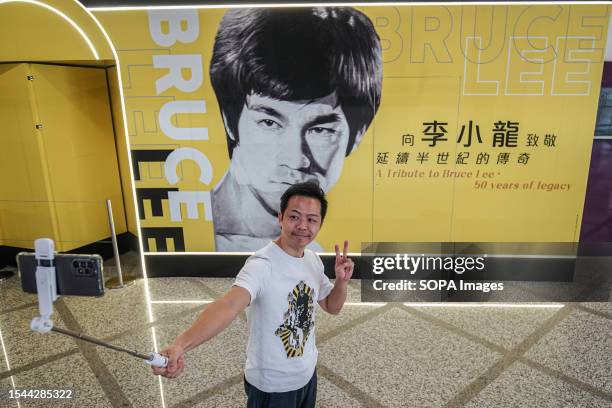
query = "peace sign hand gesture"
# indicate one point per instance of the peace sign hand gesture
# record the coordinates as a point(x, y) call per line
point(344, 265)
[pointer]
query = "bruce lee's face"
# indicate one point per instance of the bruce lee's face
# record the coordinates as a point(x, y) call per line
point(282, 143)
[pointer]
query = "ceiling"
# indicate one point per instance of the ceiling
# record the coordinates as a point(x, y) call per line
point(125, 3)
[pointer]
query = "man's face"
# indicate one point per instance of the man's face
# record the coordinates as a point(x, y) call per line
point(282, 143)
point(301, 221)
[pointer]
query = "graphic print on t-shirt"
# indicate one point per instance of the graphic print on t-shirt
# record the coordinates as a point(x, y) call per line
point(298, 322)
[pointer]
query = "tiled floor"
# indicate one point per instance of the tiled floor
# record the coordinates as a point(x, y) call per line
point(386, 355)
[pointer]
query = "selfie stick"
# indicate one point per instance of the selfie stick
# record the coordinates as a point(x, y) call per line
point(47, 294)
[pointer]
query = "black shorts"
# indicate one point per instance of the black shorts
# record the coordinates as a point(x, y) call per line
point(304, 397)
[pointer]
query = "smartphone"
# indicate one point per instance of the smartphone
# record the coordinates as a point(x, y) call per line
point(76, 275)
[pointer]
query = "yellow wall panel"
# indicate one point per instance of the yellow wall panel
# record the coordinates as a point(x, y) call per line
point(25, 208)
point(31, 32)
point(80, 152)
point(122, 150)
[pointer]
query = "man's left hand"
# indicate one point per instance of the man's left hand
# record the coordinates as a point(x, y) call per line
point(344, 264)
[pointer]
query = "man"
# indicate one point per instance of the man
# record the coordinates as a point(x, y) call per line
point(280, 284)
point(297, 89)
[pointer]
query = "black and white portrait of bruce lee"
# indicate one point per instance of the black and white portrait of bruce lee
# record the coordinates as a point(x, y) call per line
point(297, 89)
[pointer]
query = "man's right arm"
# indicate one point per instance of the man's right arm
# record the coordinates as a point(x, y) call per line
point(213, 319)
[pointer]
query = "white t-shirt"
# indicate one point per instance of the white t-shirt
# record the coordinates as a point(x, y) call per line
point(281, 353)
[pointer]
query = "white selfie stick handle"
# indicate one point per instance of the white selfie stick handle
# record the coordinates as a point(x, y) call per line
point(157, 360)
point(45, 284)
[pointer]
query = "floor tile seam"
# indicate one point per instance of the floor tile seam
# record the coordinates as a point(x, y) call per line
point(594, 311)
point(509, 356)
point(470, 391)
point(18, 308)
point(209, 291)
point(456, 330)
point(210, 392)
point(584, 386)
point(154, 323)
point(543, 329)
point(213, 293)
point(481, 382)
point(552, 321)
point(323, 338)
point(356, 393)
point(38, 363)
point(107, 381)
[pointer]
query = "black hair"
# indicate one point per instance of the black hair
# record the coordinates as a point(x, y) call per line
point(306, 189)
point(297, 54)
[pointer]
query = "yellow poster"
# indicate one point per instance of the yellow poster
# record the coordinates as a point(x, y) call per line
point(422, 124)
